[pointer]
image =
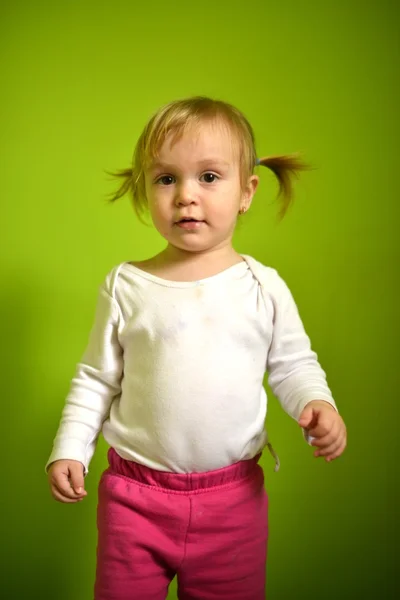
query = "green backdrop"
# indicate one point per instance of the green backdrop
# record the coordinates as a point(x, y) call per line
point(79, 81)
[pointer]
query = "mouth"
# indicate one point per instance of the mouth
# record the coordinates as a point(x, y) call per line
point(188, 223)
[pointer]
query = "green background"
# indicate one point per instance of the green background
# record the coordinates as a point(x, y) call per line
point(79, 81)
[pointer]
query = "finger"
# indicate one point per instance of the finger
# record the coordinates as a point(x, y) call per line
point(323, 427)
point(337, 433)
point(326, 440)
point(333, 448)
point(328, 450)
point(61, 498)
point(338, 452)
point(76, 478)
point(306, 417)
point(62, 483)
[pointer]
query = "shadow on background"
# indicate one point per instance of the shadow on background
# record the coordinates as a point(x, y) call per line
point(37, 559)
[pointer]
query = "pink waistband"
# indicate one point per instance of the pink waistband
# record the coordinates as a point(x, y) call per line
point(183, 481)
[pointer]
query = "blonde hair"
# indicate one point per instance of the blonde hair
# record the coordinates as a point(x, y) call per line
point(180, 115)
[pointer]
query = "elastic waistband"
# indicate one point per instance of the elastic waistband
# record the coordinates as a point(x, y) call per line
point(182, 482)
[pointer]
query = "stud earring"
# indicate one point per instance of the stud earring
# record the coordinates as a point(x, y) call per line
point(242, 211)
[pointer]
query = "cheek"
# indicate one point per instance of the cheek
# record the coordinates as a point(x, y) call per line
point(159, 213)
point(153, 203)
point(225, 209)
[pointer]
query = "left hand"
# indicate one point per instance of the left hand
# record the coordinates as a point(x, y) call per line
point(326, 426)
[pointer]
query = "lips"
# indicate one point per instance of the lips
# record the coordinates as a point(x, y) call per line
point(189, 220)
point(189, 223)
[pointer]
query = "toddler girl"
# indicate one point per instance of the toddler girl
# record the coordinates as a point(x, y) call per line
point(173, 373)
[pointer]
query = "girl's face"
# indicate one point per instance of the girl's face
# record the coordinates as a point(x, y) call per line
point(193, 190)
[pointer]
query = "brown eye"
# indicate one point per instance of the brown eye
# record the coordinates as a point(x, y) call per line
point(210, 177)
point(166, 180)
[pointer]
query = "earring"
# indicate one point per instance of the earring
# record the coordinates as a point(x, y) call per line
point(242, 211)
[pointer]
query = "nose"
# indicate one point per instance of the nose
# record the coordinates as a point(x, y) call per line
point(185, 194)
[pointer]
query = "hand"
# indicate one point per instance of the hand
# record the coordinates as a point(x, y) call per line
point(326, 426)
point(66, 481)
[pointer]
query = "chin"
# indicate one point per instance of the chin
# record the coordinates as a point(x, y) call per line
point(196, 246)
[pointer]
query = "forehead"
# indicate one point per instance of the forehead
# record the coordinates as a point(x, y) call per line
point(200, 141)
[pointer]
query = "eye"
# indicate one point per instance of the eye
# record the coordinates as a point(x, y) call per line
point(165, 180)
point(210, 177)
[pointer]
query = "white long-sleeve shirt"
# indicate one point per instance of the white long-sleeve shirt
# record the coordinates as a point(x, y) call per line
point(173, 371)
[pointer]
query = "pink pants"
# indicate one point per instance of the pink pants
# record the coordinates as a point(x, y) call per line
point(209, 529)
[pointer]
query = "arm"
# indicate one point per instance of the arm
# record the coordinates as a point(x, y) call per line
point(96, 383)
point(295, 375)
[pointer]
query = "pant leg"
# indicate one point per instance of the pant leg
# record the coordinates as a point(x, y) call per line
point(226, 545)
point(140, 539)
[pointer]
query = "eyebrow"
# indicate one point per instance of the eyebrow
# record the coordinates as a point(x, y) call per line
point(206, 161)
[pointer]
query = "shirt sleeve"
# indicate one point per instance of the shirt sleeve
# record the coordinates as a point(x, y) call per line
point(294, 373)
point(96, 383)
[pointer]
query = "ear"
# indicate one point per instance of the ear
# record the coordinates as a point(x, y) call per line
point(249, 191)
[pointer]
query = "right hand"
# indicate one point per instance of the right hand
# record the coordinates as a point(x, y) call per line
point(66, 481)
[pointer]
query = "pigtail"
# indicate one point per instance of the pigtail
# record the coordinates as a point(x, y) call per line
point(285, 168)
point(126, 187)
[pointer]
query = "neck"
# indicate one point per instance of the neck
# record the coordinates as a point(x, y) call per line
point(221, 255)
point(180, 265)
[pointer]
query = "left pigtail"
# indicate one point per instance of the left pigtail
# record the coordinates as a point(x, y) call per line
point(285, 168)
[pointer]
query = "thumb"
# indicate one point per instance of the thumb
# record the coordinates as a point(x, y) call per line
point(76, 476)
point(306, 417)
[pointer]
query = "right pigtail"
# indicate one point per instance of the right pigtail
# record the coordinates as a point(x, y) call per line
point(131, 185)
point(126, 187)
point(285, 168)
